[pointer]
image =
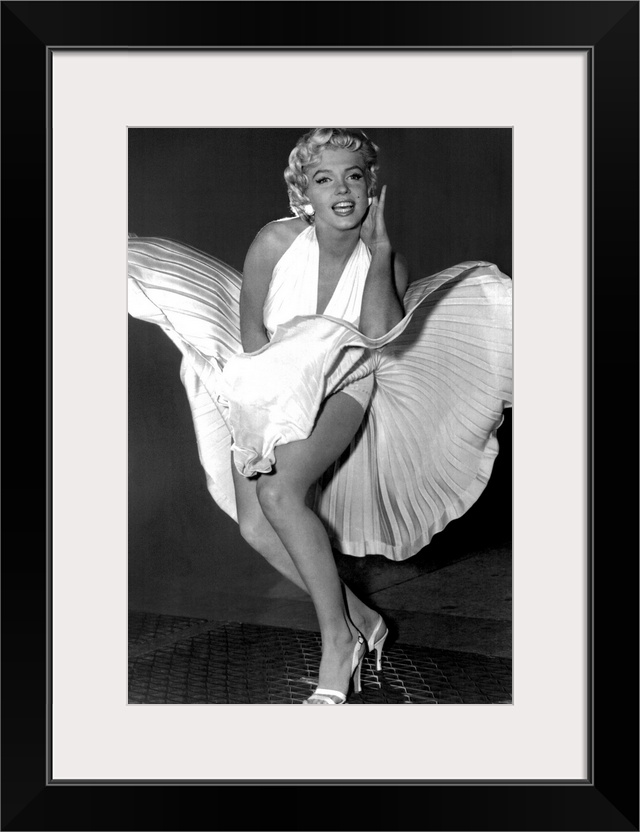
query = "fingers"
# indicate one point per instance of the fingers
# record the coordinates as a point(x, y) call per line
point(378, 200)
point(380, 209)
point(379, 203)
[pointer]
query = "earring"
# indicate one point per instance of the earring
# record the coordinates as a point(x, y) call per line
point(308, 209)
point(370, 200)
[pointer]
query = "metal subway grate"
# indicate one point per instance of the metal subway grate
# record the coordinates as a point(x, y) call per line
point(146, 627)
point(198, 662)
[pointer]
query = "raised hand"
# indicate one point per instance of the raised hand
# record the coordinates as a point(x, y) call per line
point(373, 231)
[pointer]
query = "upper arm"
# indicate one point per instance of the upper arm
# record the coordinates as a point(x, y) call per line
point(264, 252)
point(400, 274)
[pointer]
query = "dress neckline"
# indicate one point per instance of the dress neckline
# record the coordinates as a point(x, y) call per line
point(352, 256)
point(304, 253)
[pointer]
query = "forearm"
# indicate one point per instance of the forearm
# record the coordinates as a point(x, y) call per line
point(381, 307)
point(252, 336)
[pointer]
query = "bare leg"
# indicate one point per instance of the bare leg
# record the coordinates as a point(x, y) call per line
point(258, 531)
point(260, 534)
point(281, 495)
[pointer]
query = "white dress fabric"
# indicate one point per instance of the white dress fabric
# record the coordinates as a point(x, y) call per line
point(425, 450)
point(293, 289)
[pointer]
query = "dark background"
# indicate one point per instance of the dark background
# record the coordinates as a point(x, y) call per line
point(448, 200)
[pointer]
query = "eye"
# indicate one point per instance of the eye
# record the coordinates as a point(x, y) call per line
point(356, 176)
point(321, 179)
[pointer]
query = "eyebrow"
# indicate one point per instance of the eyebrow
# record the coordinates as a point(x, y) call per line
point(353, 167)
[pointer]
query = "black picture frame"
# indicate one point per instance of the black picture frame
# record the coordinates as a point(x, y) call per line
point(608, 799)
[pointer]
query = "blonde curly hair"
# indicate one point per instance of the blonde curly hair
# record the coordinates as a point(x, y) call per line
point(307, 152)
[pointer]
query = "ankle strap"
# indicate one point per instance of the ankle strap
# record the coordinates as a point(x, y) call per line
point(325, 694)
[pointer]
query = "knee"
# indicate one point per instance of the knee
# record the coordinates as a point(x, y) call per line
point(276, 498)
point(253, 529)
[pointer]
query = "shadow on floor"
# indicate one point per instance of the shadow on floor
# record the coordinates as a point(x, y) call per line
point(464, 605)
point(193, 661)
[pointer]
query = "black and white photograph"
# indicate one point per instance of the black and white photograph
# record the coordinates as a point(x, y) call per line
point(304, 444)
point(320, 392)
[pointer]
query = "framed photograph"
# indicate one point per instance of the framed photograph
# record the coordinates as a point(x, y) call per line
point(559, 77)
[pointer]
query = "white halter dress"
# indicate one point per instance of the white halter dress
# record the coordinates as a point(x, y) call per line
point(425, 450)
point(293, 289)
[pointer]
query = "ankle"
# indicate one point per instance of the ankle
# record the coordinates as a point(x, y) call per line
point(340, 638)
point(365, 620)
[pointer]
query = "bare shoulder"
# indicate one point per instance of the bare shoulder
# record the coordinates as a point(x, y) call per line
point(276, 237)
point(270, 244)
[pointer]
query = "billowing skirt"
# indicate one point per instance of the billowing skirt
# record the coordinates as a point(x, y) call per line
point(425, 449)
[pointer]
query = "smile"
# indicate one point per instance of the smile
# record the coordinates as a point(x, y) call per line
point(344, 208)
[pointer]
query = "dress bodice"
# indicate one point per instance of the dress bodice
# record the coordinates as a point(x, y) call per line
point(293, 289)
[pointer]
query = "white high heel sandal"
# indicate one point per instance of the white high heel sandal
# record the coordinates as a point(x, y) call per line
point(374, 643)
point(325, 696)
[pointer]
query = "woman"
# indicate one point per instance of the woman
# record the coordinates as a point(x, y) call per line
point(324, 333)
point(333, 171)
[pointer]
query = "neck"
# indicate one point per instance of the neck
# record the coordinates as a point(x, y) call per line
point(338, 242)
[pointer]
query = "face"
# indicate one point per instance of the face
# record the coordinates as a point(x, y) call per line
point(338, 188)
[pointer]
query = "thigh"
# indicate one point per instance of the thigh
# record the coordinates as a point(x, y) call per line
point(305, 461)
point(247, 504)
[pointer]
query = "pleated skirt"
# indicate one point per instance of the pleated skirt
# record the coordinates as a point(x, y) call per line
point(426, 447)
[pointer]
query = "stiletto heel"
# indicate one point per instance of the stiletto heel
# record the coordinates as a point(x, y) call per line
point(325, 696)
point(378, 648)
point(357, 686)
point(377, 644)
